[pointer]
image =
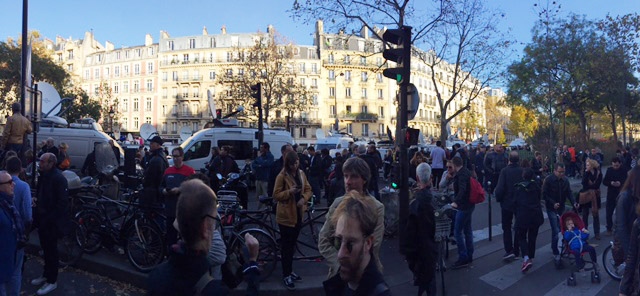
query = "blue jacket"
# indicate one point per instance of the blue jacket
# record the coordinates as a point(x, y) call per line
point(22, 200)
point(262, 165)
point(8, 244)
point(579, 241)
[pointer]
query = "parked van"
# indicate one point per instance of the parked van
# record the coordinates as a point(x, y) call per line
point(241, 140)
point(79, 136)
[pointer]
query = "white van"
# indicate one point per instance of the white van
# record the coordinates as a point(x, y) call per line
point(79, 136)
point(241, 140)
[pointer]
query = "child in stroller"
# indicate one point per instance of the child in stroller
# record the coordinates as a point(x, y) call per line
point(575, 243)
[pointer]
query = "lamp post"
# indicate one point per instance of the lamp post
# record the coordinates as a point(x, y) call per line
point(111, 114)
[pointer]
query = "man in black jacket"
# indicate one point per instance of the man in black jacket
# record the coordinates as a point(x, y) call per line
point(154, 171)
point(372, 187)
point(355, 221)
point(187, 272)
point(613, 179)
point(462, 191)
point(505, 195)
point(52, 218)
point(419, 246)
point(493, 164)
point(315, 173)
point(277, 167)
point(555, 191)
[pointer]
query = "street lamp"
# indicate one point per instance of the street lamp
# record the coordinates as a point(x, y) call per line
point(111, 114)
point(335, 98)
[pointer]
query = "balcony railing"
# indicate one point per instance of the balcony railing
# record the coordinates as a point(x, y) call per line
point(359, 116)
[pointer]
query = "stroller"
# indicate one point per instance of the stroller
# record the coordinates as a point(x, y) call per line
point(569, 254)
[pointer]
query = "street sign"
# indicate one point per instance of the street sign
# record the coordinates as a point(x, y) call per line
point(413, 101)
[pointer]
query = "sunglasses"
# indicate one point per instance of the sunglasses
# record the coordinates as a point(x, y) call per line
point(337, 243)
point(7, 182)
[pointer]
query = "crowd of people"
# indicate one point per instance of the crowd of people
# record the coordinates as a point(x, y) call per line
point(352, 235)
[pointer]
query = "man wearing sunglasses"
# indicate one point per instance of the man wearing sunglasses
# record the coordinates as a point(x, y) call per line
point(10, 230)
point(188, 272)
point(355, 222)
point(356, 177)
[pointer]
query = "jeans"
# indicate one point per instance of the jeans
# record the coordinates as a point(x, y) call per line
point(314, 182)
point(465, 244)
point(611, 205)
point(12, 287)
point(288, 239)
point(527, 239)
point(554, 221)
point(592, 254)
point(509, 240)
point(47, 233)
point(437, 175)
point(596, 220)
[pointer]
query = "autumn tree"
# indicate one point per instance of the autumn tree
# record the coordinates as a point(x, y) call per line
point(522, 120)
point(270, 62)
point(81, 107)
point(497, 119)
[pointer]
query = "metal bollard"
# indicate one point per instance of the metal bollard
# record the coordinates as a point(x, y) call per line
point(489, 201)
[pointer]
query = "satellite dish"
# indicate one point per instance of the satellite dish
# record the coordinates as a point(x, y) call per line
point(50, 98)
point(147, 131)
point(129, 137)
point(212, 104)
point(320, 134)
point(185, 133)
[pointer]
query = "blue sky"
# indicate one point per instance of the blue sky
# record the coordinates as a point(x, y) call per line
point(126, 22)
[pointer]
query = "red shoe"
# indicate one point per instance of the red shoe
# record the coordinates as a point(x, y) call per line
point(526, 265)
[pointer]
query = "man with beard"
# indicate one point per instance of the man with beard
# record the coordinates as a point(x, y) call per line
point(355, 221)
point(154, 171)
point(356, 177)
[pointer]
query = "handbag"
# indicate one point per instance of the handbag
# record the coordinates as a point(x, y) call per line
point(65, 164)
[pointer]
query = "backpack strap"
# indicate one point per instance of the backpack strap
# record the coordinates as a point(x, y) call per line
point(202, 283)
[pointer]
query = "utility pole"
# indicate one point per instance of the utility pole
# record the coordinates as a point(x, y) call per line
point(401, 55)
point(256, 92)
point(25, 43)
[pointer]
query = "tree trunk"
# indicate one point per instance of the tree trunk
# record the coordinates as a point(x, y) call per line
point(443, 129)
point(583, 127)
point(614, 127)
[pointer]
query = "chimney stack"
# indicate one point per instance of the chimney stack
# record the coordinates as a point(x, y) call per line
point(364, 32)
point(223, 30)
point(148, 40)
point(204, 31)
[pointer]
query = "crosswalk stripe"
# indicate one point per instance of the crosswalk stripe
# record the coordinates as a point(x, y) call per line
point(584, 286)
point(504, 277)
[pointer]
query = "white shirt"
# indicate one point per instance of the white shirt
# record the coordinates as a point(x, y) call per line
point(437, 158)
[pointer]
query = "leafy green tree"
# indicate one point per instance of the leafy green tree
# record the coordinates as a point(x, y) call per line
point(81, 107)
point(523, 121)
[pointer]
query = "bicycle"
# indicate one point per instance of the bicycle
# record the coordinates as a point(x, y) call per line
point(609, 263)
point(443, 228)
point(140, 233)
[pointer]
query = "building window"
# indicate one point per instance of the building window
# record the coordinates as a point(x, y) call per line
point(364, 76)
point(125, 87)
point(150, 51)
point(147, 120)
point(347, 59)
point(116, 89)
point(349, 128)
point(229, 72)
point(380, 96)
point(126, 70)
point(135, 105)
point(192, 43)
point(87, 74)
point(149, 85)
point(118, 55)
point(347, 76)
point(164, 127)
point(70, 67)
point(174, 127)
point(164, 109)
point(212, 75)
point(348, 109)
point(135, 123)
point(303, 82)
point(148, 105)
point(136, 86)
point(96, 74)
point(332, 75)
point(229, 56)
point(332, 110)
point(150, 68)
point(332, 91)
point(185, 75)
point(116, 71)
point(314, 83)
point(303, 132)
point(379, 61)
point(174, 75)
point(379, 77)
point(314, 68)
point(138, 53)
point(347, 92)
point(126, 54)
point(381, 129)
point(363, 61)
point(196, 92)
point(364, 92)
point(165, 76)
point(185, 58)
point(136, 69)
point(196, 126)
point(365, 129)
point(314, 99)
point(364, 109)
point(125, 124)
point(106, 72)
point(331, 61)
point(381, 112)
point(70, 52)
point(170, 45)
point(303, 68)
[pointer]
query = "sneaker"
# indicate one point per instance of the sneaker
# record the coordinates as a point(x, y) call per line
point(44, 290)
point(39, 281)
point(288, 282)
point(508, 256)
point(526, 265)
point(516, 256)
point(460, 264)
point(295, 277)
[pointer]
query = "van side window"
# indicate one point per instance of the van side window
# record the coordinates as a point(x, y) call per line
point(240, 150)
point(200, 149)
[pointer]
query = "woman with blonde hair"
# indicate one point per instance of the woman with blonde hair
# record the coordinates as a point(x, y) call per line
point(292, 192)
point(64, 162)
point(591, 181)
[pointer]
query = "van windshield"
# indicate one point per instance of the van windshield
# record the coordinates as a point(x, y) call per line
point(327, 146)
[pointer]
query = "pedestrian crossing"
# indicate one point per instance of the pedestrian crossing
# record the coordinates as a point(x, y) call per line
point(506, 276)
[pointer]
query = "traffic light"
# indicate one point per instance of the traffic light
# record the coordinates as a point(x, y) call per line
point(218, 113)
point(256, 92)
point(411, 136)
point(401, 54)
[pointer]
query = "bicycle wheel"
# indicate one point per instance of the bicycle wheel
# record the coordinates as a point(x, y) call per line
point(268, 255)
point(609, 264)
point(144, 245)
point(87, 233)
point(69, 252)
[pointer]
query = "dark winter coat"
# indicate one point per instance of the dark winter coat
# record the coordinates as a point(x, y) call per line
point(462, 189)
point(52, 206)
point(527, 204)
point(592, 181)
point(625, 217)
point(153, 176)
point(371, 284)
point(630, 278)
point(419, 247)
point(506, 187)
point(556, 190)
point(614, 175)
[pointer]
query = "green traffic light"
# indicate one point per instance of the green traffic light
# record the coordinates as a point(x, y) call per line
point(394, 185)
point(399, 78)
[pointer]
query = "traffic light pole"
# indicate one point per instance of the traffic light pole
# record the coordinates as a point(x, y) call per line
point(257, 94)
point(404, 156)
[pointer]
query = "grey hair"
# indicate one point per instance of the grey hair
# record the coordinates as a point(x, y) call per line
point(423, 172)
point(362, 149)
